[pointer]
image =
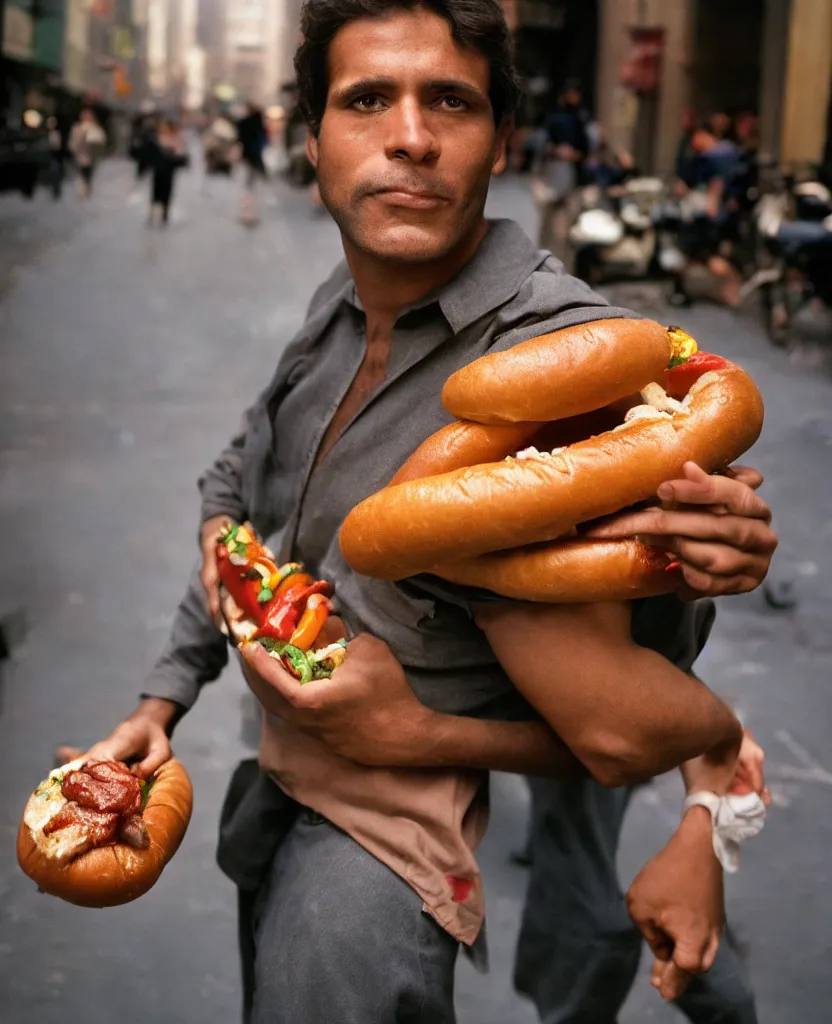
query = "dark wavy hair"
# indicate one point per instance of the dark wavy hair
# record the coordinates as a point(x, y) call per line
point(477, 24)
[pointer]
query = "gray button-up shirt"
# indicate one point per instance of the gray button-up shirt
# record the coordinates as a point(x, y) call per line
point(507, 293)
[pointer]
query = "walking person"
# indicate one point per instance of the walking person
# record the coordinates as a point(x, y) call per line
point(87, 143)
point(353, 842)
point(142, 136)
point(57, 157)
point(252, 138)
point(168, 156)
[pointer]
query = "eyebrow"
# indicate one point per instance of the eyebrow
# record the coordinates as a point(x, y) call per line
point(348, 93)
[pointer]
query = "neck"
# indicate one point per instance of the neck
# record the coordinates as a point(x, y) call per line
point(386, 288)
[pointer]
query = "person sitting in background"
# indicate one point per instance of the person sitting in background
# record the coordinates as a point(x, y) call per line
point(708, 165)
point(607, 167)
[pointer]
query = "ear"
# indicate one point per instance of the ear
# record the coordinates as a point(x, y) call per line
point(312, 148)
point(500, 160)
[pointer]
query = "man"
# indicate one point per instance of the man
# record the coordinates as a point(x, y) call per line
point(379, 797)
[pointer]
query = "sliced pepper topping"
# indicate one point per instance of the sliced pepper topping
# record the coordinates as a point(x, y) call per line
point(296, 662)
point(682, 346)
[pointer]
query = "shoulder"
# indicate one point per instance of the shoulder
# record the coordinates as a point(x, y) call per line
point(550, 299)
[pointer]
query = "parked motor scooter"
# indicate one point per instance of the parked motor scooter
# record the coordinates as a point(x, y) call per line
point(614, 235)
point(794, 254)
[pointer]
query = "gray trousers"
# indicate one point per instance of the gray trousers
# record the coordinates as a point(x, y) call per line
point(579, 950)
point(338, 938)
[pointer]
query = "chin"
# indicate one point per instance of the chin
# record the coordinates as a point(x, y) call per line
point(408, 243)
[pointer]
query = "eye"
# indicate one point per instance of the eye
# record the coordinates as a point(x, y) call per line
point(370, 102)
point(452, 102)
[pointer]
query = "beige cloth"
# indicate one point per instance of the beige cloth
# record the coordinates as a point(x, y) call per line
point(424, 824)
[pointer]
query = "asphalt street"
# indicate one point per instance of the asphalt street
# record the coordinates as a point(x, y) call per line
point(127, 355)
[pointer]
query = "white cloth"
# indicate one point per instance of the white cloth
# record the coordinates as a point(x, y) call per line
point(735, 818)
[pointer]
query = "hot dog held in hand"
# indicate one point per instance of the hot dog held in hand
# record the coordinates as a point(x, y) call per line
point(280, 607)
point(551, 436)
point(96, 835)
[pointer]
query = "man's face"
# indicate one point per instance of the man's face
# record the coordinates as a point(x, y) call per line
point(407, 143)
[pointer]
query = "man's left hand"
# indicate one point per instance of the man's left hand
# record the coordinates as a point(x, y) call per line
point(365, 712)
point(717, 526)
point(677, 901)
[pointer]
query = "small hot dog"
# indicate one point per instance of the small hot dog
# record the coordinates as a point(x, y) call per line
point(95, 835)
point(281, 607)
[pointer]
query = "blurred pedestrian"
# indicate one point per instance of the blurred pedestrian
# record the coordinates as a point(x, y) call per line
point(168, 156)
point(142, 135)
point(87, 143)
point(253, 138)
point(57, 157)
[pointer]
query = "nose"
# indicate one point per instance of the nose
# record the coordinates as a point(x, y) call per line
point(409, 135)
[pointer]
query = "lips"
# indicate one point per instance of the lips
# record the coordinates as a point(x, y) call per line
point(416, 199)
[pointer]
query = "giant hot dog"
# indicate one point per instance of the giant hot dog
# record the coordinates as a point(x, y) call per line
point(95, 835)
point(475, 505)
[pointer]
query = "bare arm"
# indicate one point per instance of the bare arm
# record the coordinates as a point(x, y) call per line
point(368, 713)
point(625, 711)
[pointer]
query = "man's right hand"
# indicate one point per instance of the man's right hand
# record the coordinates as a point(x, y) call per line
point(210, 574)
point(143, 737)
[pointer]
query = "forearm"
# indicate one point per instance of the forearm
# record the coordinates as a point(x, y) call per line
point(625, 711)
point(528, 748)
point(673, 720)
point(196, 652)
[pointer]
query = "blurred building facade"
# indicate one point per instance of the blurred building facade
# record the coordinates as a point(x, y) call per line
point(644, 64)
point(661, 59)
point(57, 51)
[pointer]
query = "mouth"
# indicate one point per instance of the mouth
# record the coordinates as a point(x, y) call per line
point(412, 198)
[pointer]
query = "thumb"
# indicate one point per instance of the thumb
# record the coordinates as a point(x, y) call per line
point(695, 473)
point(157, 753)
point(674, 981)
point(210, 581)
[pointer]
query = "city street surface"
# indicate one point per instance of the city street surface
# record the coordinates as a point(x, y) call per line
point(127, 357)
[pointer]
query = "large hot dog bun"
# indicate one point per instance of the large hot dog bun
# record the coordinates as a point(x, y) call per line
point(562, 374)
point(106, 876)
point(568, 572)
point(409, 528)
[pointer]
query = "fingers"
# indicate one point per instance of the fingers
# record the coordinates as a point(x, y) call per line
point(746, 475)
point(658, 940)
point(722, 558)
point(662, 526)
point(700, 488)
point(158, 753)
point(104, 751)
point(277, 689)
point(211, 579)
point(699, 584)
point(670, 979)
